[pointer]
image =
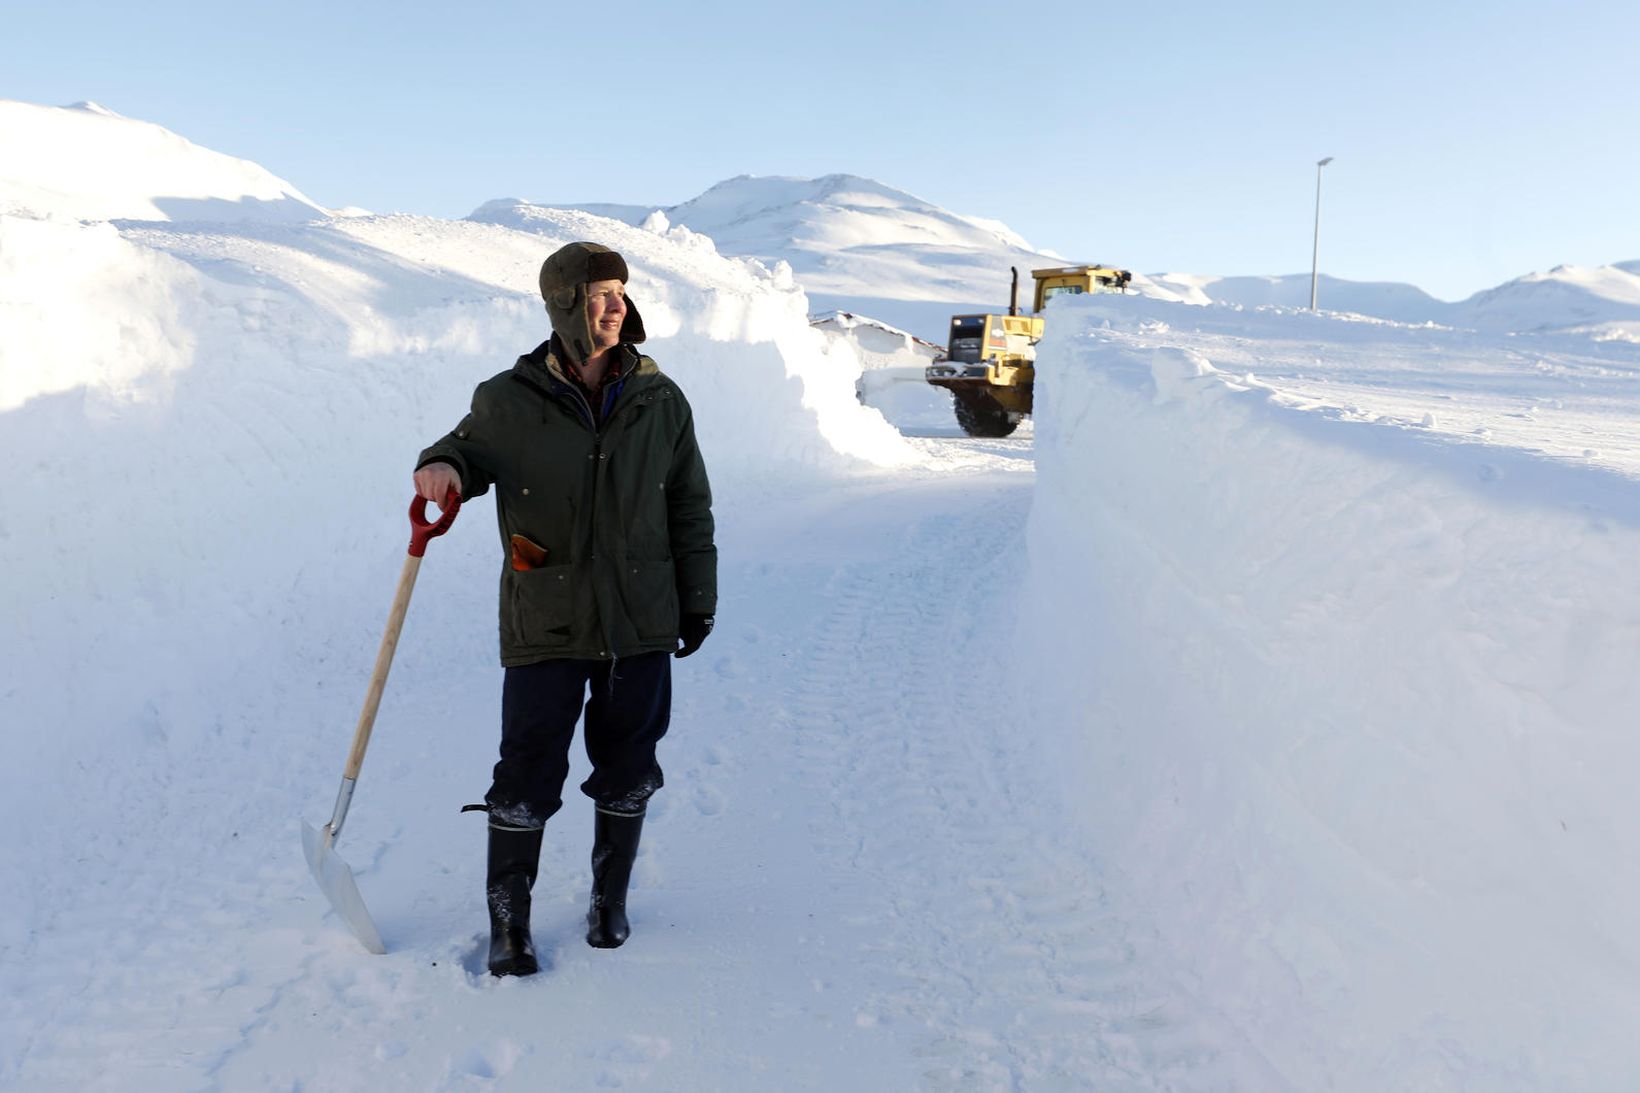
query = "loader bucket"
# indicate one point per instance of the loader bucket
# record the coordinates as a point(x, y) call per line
point(335, 879)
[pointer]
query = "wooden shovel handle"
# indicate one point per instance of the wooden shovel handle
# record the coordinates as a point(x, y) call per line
point(421, 530)
point(384, 661)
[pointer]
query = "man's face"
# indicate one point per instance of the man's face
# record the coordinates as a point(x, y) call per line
point(606, 311)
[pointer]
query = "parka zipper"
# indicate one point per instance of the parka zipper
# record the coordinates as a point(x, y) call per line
point(597, 457)
point(599, 460)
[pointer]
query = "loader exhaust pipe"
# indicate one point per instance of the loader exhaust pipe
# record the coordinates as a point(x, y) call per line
point(1013, 292)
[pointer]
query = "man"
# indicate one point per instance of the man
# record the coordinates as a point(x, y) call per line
point(608, 561)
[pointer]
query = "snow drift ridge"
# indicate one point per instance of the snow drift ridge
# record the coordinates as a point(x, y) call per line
point(1353, 723)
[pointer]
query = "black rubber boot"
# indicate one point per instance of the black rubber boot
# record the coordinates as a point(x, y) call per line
point(614, 848)
point(515, 855)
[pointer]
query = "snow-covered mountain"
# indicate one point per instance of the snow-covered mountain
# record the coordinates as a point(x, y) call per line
point(858, 245)
point(833, 216)
point(1603, 301)
point(85, 162)
point(1379, 299)
point(853, 243)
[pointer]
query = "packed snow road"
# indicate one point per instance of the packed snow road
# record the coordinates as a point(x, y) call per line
point(850, 880)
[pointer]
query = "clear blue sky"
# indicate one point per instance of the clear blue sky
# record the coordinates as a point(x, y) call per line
point(1473, 142)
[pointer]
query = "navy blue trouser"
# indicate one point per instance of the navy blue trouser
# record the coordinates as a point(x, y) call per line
point(625, 718)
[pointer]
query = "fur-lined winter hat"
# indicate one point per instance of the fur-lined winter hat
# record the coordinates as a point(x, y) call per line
point(564, 278)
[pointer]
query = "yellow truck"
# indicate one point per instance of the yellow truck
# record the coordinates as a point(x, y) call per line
point(988, 364)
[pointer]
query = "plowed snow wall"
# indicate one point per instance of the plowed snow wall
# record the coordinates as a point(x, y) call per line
point(209, 434)
point(1350, 715)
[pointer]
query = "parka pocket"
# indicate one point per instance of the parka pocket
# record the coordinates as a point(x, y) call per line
point(541, 605)
point(652, 597)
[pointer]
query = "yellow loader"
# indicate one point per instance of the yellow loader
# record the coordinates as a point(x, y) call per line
point(989, 362)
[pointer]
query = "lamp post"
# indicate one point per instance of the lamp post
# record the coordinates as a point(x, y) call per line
point(1315, 253)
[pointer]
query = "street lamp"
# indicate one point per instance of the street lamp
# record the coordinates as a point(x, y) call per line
point(1315, 254)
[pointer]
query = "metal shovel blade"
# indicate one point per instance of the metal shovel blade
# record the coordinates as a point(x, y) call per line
point(335, 879)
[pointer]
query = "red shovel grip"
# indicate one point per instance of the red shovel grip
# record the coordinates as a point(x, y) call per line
point(422, 530)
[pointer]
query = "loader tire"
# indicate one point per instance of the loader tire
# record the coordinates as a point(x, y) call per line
point(982, 422)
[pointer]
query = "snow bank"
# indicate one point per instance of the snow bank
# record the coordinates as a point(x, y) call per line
point(1349, 712)
point(705, 311)
point(211, 432)
point(893, 377)
point(82, 306)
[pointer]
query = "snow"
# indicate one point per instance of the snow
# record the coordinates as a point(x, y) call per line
point(1347, 706)
point(834, 213)
point(863, 247)
point(1259, 723)
point(1602, 301)
point(857, 245)
point(86, 162)
point(1402, 303)
point(893, 377)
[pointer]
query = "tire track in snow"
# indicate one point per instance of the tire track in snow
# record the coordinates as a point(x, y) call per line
point(997, 942)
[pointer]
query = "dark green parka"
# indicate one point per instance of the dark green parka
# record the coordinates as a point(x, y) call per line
point(624, 510)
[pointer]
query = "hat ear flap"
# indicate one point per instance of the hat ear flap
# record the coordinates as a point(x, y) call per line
point(632, 326)
point(564, 299)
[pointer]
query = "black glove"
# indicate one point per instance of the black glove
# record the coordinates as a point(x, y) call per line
point(692, 630)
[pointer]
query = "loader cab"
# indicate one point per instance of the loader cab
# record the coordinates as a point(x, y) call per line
point(967, 339)
point(1050, 291)
point(978, 339)
point(1077, 280)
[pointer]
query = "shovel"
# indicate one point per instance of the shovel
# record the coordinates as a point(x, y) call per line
point(334, 875)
